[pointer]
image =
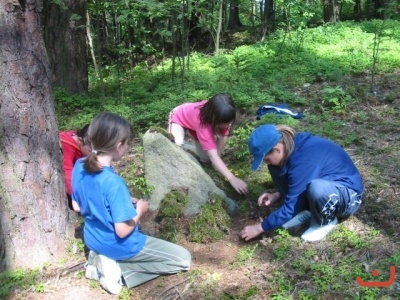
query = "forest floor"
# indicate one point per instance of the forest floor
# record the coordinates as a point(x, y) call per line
point(220, 269)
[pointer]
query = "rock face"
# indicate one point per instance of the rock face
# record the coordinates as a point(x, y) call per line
point(169, 167)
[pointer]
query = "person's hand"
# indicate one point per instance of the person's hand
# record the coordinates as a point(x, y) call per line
point(268, 199)
point(251, 231)
point(239, 185)
point(142, 206)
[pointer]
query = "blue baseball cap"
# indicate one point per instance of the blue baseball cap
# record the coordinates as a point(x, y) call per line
point(261, 141)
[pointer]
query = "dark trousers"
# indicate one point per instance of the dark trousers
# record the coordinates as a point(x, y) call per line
point(329, 199)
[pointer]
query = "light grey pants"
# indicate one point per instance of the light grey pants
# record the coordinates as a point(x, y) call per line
point(157, 257)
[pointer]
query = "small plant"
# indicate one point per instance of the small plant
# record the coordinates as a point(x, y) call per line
point(283, 243)
point(245, 255)
point(126, 294)
point(336, 98)
point(136, 182)
point(347, 238)
point(39, 288)
point(18, 278)
point(76, 246)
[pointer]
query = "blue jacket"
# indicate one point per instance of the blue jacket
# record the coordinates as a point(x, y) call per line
point(313, 157)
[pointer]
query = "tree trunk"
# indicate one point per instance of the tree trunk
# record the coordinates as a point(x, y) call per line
point(219, 29)
point(357, 10)
point(267, 17)
point(65, 38)
point(33, 206)
point(234, 19)
point(331, 11)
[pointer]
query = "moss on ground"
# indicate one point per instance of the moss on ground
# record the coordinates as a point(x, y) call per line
point(171, 208)
point(212, 223)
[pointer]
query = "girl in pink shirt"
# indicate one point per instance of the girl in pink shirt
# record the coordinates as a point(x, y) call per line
point(208, 122)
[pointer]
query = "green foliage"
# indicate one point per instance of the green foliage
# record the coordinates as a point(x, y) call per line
point(172, 205)
point(18, 278)
point(347, 238)
point(136, 181)
point(211, 223)
point(75, 247)
point(336, 98)
point(249, 294)
point(283, 243)
point(171, 208)
point(126, 294)
point(272, 71)
point(239, 141)
point(245, 255)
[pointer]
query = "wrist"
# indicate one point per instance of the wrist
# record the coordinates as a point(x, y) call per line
point(260, 227)
point(230, 178)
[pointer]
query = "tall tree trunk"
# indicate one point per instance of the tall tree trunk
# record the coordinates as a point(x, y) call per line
point(90, 43)
point(219, 29)
point(33, 207)
point(267, 9)
point(65, 38)
point(357, 9)
point(331, 11)
point(234, 19)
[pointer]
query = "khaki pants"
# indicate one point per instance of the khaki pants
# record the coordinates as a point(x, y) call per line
point(158, 257)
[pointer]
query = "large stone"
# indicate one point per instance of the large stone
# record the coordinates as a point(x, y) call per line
point(169, 167)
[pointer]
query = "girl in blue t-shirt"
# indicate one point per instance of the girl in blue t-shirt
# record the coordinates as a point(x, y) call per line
point(118, 250)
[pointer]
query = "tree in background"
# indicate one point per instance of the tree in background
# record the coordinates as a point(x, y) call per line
point(234, 19)
point(331, 11)
point(64, 26)
point(33, 208)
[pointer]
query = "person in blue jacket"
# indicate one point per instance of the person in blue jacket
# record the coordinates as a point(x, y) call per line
point(315, 177)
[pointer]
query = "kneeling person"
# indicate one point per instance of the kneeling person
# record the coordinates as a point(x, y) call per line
point(315, 177)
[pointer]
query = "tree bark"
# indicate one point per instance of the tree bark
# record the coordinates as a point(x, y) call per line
point(219, 28)
point(234, 19)
point(65, 38)
point(33, 206)
point(331, 11)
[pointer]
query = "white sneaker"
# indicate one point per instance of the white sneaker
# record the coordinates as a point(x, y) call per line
point(109, 273)
point(91, 272)
point(317, 233)
point(90, 268)
point(300, 219)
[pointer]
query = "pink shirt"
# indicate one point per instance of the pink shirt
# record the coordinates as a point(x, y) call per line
point(188, 116)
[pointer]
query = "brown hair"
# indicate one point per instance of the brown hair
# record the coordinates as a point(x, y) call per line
point(218, 110)
point(287, 140)
point(105, 132)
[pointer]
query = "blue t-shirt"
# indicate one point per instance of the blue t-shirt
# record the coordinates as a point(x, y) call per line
point(104, 200)
point(313, 157)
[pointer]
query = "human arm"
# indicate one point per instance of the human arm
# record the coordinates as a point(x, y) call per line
point(239, 185)
point(221, 142)
point(76, 206)
point(123, 229)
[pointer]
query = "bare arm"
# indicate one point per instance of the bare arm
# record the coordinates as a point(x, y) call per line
point(75, 206)
point(221, 142)
point(239, 185)
point(125, 228)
